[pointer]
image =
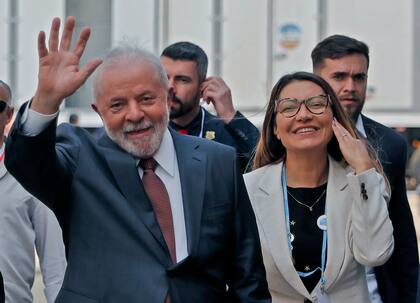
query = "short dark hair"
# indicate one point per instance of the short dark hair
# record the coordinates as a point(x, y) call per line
point(269, 148)
point(190, 52)
point(7, 87)
point(336, 47)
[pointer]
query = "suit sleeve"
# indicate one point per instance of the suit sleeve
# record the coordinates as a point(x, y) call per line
point(370, 238)
point(246, 136)
point(248, 281)
point(43, 167)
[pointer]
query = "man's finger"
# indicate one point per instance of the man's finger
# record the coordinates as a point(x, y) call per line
point(67, 33)
point(42, 48)
point(81, 44)
point(337, 131)
point(53, 39)
point(88, 69)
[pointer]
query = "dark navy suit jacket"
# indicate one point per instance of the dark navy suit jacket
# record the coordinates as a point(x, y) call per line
point(116, 251)
point(397, 278)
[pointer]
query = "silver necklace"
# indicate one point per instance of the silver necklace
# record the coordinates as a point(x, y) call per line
point(306, 205)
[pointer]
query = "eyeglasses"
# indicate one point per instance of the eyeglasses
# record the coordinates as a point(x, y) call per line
point(3, 106)
point(289, 107)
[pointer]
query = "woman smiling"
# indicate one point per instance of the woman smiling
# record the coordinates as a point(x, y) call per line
point(319, 196)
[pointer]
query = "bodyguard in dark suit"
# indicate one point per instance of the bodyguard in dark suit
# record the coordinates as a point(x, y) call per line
point(344, 62)
point(148, 215)
point(186, 66)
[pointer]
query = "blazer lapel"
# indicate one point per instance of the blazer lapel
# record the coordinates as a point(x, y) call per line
point(337, 202)
point(125, 172)
point(270, 208)
point(191, 164)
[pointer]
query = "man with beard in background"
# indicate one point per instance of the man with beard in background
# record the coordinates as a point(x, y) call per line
point(186, 66)
point(343, 62)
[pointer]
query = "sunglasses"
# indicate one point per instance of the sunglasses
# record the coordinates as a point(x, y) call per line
point(3, 106)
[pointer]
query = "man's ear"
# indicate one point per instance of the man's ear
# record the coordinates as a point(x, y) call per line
point(95, 108)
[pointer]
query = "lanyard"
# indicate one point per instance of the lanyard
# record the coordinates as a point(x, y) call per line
point(203, 113)
point(289, 234)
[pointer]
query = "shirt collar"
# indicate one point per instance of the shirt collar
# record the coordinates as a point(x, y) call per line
point(360, 127)
point(165, 155)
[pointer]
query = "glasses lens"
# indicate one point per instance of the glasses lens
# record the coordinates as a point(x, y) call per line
point(3, 105)
point(317, 104)
point(288, 107)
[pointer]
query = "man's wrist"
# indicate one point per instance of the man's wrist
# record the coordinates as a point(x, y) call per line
point(228, 117)
point(40, 104)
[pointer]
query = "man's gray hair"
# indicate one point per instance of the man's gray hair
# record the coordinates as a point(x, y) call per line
point(132, 54)
point(7, 87)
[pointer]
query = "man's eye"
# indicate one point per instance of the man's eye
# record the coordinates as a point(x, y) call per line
point(360, 78)
point(339, 77)
point(183, 80)
point(116, 105)
point(147, 99)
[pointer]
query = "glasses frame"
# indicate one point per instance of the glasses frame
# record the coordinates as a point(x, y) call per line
point(303, 101)
point(3, 108)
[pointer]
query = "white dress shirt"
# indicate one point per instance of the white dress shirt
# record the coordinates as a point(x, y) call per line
point(167, 170)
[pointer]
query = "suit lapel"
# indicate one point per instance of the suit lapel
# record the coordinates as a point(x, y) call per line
point(191, 165)
point(270, 208)
point(337, 202)
point(125, 172)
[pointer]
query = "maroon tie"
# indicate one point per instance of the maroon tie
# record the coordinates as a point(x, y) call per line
point(158, 195)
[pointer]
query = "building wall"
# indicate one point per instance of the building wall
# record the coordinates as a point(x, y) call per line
point(254, 53)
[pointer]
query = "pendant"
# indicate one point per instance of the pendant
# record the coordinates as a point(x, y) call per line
point(310, 208)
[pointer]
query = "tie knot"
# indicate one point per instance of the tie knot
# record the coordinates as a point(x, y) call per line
point(148, 164)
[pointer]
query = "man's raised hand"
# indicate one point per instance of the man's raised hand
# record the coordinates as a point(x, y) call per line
point(59, 73)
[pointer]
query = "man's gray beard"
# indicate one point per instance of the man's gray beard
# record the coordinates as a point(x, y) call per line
point(143, 148)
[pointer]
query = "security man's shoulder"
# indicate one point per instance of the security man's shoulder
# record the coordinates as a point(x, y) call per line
point(383, 132)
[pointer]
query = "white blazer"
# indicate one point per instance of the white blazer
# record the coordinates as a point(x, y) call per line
point(359, 232)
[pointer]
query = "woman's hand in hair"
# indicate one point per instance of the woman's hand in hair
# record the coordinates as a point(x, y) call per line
point(353, 149)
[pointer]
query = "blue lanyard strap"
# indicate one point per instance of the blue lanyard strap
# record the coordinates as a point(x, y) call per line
point(289, 234)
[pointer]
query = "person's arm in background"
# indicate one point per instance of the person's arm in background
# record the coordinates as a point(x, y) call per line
point(247, 283)
point(246, 135)
point(405, 259)
point(49, 247)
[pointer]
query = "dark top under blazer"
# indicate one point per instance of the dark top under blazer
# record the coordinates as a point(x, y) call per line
point(397, 278)
point(116, 251)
